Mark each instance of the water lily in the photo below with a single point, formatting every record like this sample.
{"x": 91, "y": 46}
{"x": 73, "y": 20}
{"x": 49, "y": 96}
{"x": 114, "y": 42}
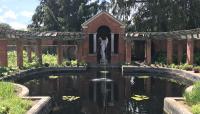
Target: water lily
{"x": 70, "y": 98}
{"x": 54, "y": 77}
{"x": 139, "y": 97}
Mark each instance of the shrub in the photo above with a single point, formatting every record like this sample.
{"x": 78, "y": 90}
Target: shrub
{"x": 193, "y": 97}
{"x": 160, "y": 58}
{"x": 74, "y": 62}
{"x": 187, "y": 67}
{"x": 82, "y": 63}
{"x": 68, "y": 63}
{"x": 196, "y": 109}
{"x": 197, "y": 58}
{"x": 50, "y": 59}
{"x": 196, "y": 69}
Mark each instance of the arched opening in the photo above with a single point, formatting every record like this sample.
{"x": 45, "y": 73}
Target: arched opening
{"x": 104, "y": 32}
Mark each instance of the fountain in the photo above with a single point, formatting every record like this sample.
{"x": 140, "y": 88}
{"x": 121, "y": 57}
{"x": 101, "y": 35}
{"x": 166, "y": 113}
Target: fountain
{"x": 106, "y": 87}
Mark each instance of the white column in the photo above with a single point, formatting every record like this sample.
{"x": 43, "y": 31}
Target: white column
{"x": 95, "y": 42}
{"x": 112, "y": 42}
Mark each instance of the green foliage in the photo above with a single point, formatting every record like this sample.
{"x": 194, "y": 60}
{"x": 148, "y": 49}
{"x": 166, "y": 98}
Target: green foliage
{"x": 7, "y": 90}
{"x": 160, "y": 58}
{"x": 4, "y": 110}
{"x": 196, "y": 68}
{"x": 74, "y": 62}
{"x": 197, "y": 58}
{"x": 167, "y": 15}
{"x": 9, "y": 102}
{"x": 196, "y": 109}
{"x": 15, "y": 105}
{"x": 193, "y": 97}
{"x": 82, "y": 63}
{"x": 5, "y": 26}
{"x": 62, "y": 15}
{"x": 187, "y": 67}
{"x": 50, "y": 59}
{"x": 7, "y": 70}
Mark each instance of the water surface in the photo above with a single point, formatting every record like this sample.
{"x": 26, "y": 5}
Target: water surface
{"x": 106, "y": 92}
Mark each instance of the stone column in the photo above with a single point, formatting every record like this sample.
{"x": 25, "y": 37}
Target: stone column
{"x": 59, "y": 53}
{"x": 95, "y": 42}
{"x": 169, "y": 51}
{"x": 112, "y": 42}
{"x": 190, "y": 50}
{"x": 19, "y": 49}
{"x": 128, "y": 52}
{"x": 148, "y": 51}
{"x": 3, "y": 53}
{"x": 180, "y": 52}
{"x": 39, "y": 50}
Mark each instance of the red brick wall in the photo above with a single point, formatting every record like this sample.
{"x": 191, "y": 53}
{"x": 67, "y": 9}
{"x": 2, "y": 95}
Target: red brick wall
{"x": 115, "y": 27}
{"x": 3, "y": 53}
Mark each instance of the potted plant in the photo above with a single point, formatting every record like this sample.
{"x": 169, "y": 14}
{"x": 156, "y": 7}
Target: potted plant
{"x": 196, "y": 69}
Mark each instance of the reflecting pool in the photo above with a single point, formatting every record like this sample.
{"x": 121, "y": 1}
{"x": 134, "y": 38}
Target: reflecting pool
{"x": 106, "y": 91}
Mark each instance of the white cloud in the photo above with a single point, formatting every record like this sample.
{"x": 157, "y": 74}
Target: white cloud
{"x": 18, "y": 26}
{"x": 8, "y": 15}
{"x": 27, "y": 14}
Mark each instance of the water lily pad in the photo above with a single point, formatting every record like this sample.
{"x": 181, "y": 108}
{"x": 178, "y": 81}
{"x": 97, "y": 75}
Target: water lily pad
{"x": 54, "y": 77}
{"x": 70, "y": 98}
{"x": 143, "y": 77}
{"x": 137, "y": 98}
{"x": 140, "y": 97}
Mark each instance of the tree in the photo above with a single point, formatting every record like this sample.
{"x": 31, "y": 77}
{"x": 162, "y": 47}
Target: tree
{"x": 62, "y": 15}
{"x": 5, "y": 26}
{"x": 167, "y": 15}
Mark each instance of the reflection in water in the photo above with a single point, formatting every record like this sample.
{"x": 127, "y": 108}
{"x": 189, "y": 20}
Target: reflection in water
{"x": 107, "y": 93}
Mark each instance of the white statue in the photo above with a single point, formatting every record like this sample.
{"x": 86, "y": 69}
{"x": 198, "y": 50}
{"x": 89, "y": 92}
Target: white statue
{"x": 104, "y": 44}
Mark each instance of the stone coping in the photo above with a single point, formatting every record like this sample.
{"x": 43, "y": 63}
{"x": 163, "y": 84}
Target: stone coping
{"x": 147, "y": 69}
{"x": 31, "y": 72}
{"x": 43, "y": 105}
{"x": 172, "y": 106}
{"x": 24, "y": 90}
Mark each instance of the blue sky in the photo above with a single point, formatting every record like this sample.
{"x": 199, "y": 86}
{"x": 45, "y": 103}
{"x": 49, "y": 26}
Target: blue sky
{"x": 17, "y": 13}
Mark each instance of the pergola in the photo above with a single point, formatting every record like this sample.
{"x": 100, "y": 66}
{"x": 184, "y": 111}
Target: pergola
{"x": 35, "y": 38}
{"x": 189, "y": 35}
{"x": 31, "y": 38}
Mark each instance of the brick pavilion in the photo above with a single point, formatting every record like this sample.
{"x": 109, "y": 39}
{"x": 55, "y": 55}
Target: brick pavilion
{"x": 122, "y": 47}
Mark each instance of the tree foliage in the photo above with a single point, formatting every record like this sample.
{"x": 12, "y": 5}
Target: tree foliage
{"x": 5, "y": 25}
{"x": 139, "y": 15}
{"x": 62, "y": 15}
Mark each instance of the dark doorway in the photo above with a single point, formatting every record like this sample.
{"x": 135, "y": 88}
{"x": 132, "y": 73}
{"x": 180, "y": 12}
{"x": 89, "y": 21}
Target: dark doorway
{"x": 104, "y": 32}
{"x": 139, "y": 51}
